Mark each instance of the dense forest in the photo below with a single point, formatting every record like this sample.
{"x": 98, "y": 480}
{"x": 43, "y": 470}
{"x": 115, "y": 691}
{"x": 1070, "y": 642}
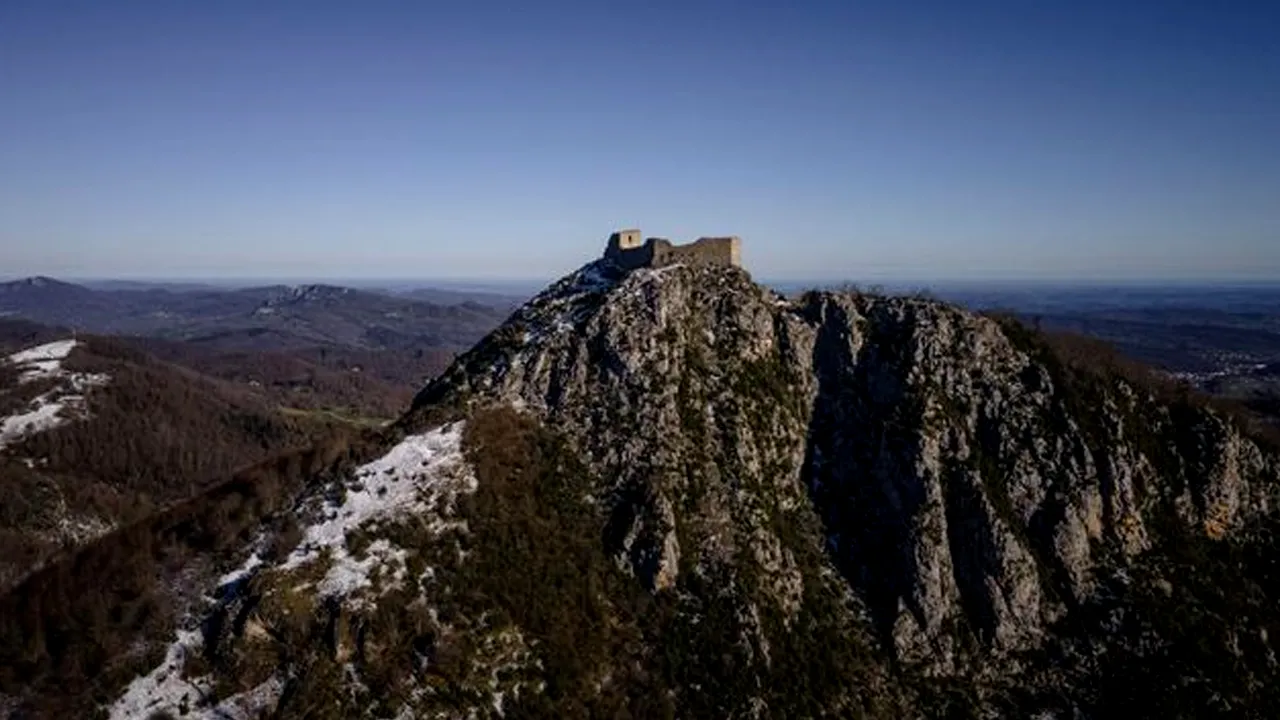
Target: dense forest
{"x": 151, "y": 435}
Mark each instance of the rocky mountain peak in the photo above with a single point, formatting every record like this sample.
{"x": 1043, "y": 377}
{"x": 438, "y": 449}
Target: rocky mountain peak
{"x": 966, "y": 483}
{"x": 672, "y": 492}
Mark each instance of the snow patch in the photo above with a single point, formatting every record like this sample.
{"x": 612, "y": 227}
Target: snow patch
{"x": 164, "y": 688}
{"x": 42, "y": 361}
{"x": 55, "y": 407}
{"x": 249, "y": 704}
{"x": 242, "y": 572}
{"x": 43, "y": 414}
{"x": 82, "y": 529}
{"x": 421, "y": 477}
{"x": 350, "y": 575}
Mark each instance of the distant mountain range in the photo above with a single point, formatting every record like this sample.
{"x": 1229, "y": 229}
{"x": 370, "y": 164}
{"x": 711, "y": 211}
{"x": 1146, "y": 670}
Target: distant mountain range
{"x": 273, "y": 317}
{"x": 314, "y": 347}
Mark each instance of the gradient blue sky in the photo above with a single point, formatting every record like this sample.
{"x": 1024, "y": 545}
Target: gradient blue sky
{"x": 873, "y": 141}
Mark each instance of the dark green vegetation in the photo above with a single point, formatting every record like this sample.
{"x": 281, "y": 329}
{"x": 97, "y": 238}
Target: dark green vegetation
{"x": 1187, "y": 632}
{"x": 538, "y": 566}
{"x": 717, "y": 505}
{"x": 155, "y": 434}
{"x": 70, "y": 633}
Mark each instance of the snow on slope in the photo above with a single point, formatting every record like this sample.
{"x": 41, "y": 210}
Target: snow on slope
{"x": 388, "y": 487}
{"x": 56, "y": 406}
{"x": 419, "y": 479}
{"x": 42, "y": 360}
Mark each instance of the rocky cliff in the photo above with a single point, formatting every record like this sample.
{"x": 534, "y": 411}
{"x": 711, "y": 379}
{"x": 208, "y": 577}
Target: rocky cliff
{"x": 963, "y": 476}
{"x": 675, "y": 493}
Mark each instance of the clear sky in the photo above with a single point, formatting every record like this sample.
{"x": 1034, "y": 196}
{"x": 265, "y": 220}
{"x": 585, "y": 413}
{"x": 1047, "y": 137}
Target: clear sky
{"x": 897, "y": 140}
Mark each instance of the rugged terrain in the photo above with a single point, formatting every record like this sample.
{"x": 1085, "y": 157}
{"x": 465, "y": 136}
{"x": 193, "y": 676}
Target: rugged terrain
{"x": 675, "y": 493}
{"x": 94, "y": 434}
{"x": 312, "y": 348}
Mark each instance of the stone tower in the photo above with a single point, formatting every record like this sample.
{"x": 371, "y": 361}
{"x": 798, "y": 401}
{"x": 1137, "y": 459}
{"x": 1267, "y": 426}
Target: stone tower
{"x": 625, "y": 240}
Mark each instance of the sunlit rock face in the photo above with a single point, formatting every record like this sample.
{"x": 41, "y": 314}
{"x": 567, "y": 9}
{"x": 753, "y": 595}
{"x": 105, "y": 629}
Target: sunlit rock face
{"x": 673, "y": 492}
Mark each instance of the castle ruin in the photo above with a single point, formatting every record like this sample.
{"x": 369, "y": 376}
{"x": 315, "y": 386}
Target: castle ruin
{"x": 628, "y": 251}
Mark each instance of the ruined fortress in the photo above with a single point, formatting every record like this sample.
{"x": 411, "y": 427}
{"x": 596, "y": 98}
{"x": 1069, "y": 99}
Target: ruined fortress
{"x": 627, "y": 250}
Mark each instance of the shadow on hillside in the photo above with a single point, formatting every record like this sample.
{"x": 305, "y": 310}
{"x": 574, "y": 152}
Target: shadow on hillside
{"x": 858, "y": 467}
{"x": 73, "y": 633}
{"x": 861, "y": 474}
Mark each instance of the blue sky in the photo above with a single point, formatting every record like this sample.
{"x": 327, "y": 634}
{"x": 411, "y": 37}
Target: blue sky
{"x": 869, "y": 141}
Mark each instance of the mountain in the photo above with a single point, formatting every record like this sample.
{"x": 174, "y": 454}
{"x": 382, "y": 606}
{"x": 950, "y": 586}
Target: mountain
{"x": 674, "y": 493}
{"x": 95, "y": 435}
{"x": 270, "y": 318}
{"x": 53, "y": 302}
{"x": 308, "y": 347}
{"x": 443, "y": 296}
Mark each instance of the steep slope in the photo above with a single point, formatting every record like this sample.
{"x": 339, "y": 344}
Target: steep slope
{"x": 901, "y": 420}
{"x": 94, "y": 434}
{"x": 673, "y": 493}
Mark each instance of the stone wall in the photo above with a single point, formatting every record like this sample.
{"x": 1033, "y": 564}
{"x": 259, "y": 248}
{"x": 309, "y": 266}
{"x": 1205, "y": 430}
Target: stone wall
{"x": 704, "y": 251}
{"x": 630, "y": 258}
{"x": 659, "y": 252}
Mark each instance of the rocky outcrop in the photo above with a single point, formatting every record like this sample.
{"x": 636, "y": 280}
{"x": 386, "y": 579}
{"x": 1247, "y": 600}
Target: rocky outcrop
{"x": 671, "y": 492}
{"x": 967, "y": 483}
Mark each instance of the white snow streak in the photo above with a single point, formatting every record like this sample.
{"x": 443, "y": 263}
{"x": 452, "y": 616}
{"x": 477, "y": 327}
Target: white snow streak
{"x": 44, "y": 414}
{"x": 164, "y": 688}
{"x": 422, "y": 476}
{"x": 418, "y": 477}
{"x": 42, "y": 361}
{"x": 53, "y": 408}
{"x": 244, "y": 571}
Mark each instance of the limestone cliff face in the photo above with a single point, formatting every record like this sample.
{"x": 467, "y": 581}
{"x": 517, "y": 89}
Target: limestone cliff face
{"x": 967, "y": 486}
{"x": 675, "y": 493}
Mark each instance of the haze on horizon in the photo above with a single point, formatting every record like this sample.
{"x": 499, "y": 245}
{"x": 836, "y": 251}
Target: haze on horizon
{"x": 863, "y": 141}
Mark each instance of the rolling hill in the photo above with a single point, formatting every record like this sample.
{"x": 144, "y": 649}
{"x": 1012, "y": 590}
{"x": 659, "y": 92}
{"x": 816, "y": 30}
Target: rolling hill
{"x": 96, "y": 434}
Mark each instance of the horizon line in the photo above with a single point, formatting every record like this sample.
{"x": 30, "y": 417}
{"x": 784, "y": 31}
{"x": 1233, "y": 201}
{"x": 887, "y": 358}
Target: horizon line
{"x": 538, "y": 281}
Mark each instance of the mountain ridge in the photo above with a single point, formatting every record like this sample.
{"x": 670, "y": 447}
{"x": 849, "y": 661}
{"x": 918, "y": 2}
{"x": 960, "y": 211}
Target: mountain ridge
{"x": 310, "y": 315}
{"x": 952, "y": 334}
{"x": 675, "y": 480}
{"x": 96, "y": 434}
